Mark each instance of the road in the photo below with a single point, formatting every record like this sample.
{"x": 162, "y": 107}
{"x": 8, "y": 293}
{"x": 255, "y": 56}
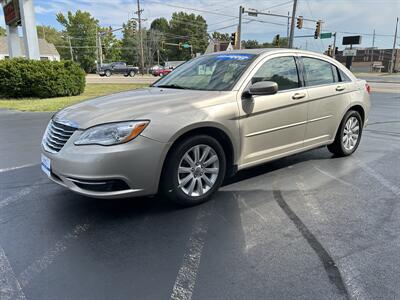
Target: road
{"x": 309, "y": 226}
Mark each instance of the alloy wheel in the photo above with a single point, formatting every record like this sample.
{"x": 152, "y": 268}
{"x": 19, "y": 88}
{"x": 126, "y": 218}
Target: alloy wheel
{"x": 351, "y": 133}
{"x": 198, "y": 170}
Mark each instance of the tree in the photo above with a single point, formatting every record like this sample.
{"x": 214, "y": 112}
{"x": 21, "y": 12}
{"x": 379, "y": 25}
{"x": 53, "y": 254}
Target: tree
{"x": 159, "y": 33}
{"x": 81, "y": 27}
{"x": 129, "y": 43}
{"x": 221, "y": 36}
{"x": 160, "y": 24}
{"x": 191, "y": 29}
{"x": 251, "y": 44}
{"x": 2, "y": 31}
{"x": 111, "y": 46}
{"x": 51, "y": 35}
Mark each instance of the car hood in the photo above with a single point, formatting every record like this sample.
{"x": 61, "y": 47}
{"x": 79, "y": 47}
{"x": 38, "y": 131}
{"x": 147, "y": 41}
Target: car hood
{"x": 136, "y": 104}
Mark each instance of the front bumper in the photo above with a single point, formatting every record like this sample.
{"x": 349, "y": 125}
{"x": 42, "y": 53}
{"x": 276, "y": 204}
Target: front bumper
{"x": 120, "y": 171}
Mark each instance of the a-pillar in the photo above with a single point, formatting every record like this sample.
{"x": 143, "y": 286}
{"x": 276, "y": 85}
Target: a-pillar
{"x": 14, "y": 44}
{"x": 29, "y": 29}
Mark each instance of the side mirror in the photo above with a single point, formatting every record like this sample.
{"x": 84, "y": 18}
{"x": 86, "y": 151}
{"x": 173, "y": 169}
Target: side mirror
{"x": 261, "y": 88}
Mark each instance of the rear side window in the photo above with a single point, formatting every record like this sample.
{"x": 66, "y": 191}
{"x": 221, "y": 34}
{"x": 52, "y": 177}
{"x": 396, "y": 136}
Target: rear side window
{"x": 281, "y": 70}
{"x": 317, "y": 72}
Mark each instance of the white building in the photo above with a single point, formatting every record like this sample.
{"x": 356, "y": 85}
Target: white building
{"x": 47, "y": 50}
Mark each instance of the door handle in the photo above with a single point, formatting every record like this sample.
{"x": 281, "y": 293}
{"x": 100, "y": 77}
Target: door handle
{"x": 298, "y": 96}
{"x": 340, "y": 88}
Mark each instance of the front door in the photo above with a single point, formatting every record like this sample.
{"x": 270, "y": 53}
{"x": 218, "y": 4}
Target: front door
{"x": 273, "y": 125}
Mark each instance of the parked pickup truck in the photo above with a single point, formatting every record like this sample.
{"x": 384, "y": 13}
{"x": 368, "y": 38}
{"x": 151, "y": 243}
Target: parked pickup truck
{"x": 117, "y": 68}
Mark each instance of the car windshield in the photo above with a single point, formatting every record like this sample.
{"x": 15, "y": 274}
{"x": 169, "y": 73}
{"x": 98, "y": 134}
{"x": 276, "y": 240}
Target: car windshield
{"x": 218, "y": 72}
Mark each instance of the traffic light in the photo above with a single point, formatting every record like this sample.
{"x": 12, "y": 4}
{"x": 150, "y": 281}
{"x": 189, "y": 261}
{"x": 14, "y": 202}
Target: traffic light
{"x": 180, "y": 46}
{"x": 299, "y": 22}
{"x": 317, "y": 30}
{"x": 233, "y": 39}
{"x": 276, "y": 40}
{"x": 329, "y": 50}
{"x": 336, "y": 50}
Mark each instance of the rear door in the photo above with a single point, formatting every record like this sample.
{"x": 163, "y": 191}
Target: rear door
{"x": 328, "y": 98}
{"x": 273, "y": 125}
{"x": 119, "y": 68}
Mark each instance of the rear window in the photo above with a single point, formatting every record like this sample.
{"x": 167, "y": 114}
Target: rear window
{"x": 343, "y": 77}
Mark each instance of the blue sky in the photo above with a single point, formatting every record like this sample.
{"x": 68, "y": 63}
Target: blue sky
{"x": 354, "y": 16}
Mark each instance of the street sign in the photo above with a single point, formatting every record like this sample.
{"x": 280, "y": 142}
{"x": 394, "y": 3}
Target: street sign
{"x": 12, "y": 15}
{"x": 349, "y": 52}
{"x": 352, "y": 40}
{"x": 186, "y": 46}
{"x": 325, "y": 35}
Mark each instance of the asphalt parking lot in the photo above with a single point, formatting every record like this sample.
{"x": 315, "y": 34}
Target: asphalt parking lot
{"x": 309, "y": 226}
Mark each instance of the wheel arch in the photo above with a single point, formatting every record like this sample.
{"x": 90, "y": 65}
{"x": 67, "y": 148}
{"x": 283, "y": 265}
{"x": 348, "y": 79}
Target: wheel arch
{"x": 358, "y": 108}
{"x": 219, "y": 134}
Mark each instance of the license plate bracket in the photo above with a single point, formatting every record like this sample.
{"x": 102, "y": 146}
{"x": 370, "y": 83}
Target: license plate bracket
{"x": 46, "y": 165}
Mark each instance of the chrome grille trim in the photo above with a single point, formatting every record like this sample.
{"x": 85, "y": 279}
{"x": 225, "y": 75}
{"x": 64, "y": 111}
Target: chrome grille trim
{"x": 56, "y": 136}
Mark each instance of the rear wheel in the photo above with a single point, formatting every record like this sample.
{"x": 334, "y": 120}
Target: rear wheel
{"x": 348, "y": 136}
{"x": 194, "y": 170}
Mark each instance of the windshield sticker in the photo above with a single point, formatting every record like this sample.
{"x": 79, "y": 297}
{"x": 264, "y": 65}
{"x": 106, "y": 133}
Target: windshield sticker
{"x": 235, "y": 57}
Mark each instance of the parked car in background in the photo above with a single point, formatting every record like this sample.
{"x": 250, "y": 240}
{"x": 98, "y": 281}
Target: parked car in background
{"x": 214, "y": 115}
{"x": 117, "y": 68}
{"x": 161, "y": 72}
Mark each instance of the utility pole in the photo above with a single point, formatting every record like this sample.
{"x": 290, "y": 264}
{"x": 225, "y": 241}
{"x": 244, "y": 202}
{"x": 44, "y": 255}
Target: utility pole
{"x": 139, "y": 13}
{"x": 70, "y": 48}
{"x": 239, "y": 29}
{"x": 392, "y": 61}
{"x": 372, "y": 48}
{"x": 100, "y": 50}
{"x": 334, "y": 45}
{"x": 288, "y": 26}
{"x": 292, "y": 24}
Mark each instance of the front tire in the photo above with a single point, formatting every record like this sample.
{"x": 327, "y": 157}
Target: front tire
{"x": 108, "y": 73}
{"x": 348, "y": 135}
{"x": 132, "y": 73}
{"x": 194, "y": 170}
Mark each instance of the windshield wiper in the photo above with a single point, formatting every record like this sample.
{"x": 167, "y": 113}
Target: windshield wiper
{"x": 171, "y": 86}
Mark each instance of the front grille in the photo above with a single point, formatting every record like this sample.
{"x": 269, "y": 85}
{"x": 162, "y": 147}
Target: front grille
{"x": 56, "y": 136}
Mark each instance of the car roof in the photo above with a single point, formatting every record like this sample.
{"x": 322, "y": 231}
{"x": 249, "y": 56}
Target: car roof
{"x": 259, "y": 51}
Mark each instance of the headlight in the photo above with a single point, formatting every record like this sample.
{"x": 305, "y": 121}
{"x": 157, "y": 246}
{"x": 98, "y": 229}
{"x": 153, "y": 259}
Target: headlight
{"x": 112, "y": 134}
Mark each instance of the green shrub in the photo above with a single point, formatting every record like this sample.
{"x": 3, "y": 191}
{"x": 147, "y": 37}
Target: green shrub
{"x": 40, "y": 79}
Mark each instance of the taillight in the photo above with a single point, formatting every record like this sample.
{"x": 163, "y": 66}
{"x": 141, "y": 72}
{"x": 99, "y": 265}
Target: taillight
{"x": 368, "y": 88}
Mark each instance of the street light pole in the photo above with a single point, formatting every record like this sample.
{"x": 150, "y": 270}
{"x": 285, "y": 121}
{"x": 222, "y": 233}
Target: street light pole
{"x": 292, "y": 24}
{"x": 392, "y": 61}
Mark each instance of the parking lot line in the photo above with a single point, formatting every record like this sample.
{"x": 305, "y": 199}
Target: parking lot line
{"x": 17, "y": 196}
{"x": 10, "y": 288}
{"x": 187, "y": 274}
{"x": 382, "y": 180}
{"x": 44, "y": 262}
{"x": 16, "y": 168}
{"x": 350, "y": 275}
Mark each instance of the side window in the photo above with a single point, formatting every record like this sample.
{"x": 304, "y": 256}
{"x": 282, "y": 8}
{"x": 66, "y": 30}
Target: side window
{"x": 343, "y": 77}
{"x": 281, "y": 70}
{"x": 317, "y": 71}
